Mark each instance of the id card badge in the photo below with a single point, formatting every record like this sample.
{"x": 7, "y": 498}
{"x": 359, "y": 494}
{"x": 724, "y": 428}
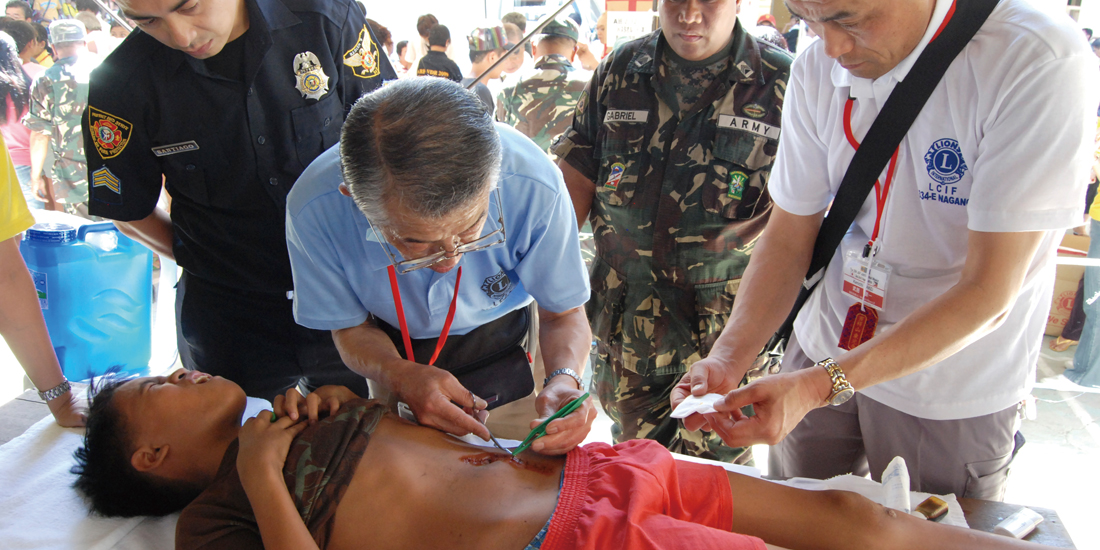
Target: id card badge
{"x": 856, "y": 279}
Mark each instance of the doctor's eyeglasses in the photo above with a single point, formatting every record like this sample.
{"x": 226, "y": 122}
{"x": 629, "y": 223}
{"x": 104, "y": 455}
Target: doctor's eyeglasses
{"x": 489, "y": 240}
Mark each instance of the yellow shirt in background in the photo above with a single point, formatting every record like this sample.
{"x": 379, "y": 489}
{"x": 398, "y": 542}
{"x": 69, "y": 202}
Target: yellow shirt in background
{"x": 44, "y": 59}
{"x": 15, "y": 217}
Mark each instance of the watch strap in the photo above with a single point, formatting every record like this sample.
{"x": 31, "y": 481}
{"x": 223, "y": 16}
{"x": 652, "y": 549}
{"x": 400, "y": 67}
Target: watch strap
{"x": 55, "y": 392}
{"x": 566, "y": 371}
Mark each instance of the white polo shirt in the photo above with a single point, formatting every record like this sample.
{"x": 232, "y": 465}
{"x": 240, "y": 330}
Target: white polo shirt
{"x": 1003, "y": 145}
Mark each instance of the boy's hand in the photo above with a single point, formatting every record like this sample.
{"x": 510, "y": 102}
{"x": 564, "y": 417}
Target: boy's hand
{"x": 263, "y": 448}
{"x": 325, "y": 398}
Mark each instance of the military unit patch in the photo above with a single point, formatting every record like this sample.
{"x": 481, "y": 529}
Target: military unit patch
{"x": 754, "y": 110}
{"x": 309, "y": 77}
{"x": 363, "y": 56}
{"x": 615, "y": 176}
{"x": 104, "y": 178}
{"x": 738, "y": 180}
{"x": 110, "y": 134}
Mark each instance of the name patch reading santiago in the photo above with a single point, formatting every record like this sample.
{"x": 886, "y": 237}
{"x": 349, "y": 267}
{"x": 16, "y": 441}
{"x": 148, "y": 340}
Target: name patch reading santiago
{"x": 173, "y": 148}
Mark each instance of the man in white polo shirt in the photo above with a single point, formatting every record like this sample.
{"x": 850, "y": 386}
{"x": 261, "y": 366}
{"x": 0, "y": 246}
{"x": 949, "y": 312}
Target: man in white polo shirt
{"x": 964, "y": 235}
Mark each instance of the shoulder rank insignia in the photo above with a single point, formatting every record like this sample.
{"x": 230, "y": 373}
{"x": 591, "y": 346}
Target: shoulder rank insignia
{"x": 110, "y": 134}
{"x": 104, "y": 178}
{"x": 309, "y": 76}
{"x": 363, "y": 56}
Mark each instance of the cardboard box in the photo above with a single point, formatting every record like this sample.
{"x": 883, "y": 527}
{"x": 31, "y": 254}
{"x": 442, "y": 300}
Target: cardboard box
{"x": 1065, "y": 283}
{"x": 630, "y": 5}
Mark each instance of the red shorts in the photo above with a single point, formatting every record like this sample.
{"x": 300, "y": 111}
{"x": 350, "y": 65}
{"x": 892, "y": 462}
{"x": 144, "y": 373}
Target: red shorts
{"x": 636, "y": 496}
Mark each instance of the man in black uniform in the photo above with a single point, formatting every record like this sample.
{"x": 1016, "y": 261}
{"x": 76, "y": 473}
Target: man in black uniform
{"x": 229, "y": 100}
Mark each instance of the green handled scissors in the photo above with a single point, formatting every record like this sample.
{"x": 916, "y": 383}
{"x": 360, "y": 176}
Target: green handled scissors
{"x": 540, "y": 430}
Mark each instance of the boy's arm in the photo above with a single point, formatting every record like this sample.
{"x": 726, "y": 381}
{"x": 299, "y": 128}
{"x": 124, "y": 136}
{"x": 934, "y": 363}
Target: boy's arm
{"x": 263, "y": 449}
{"x": 794, "y": 518}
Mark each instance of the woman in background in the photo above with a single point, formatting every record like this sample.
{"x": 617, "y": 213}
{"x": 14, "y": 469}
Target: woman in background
{"x": 15, "y": 90}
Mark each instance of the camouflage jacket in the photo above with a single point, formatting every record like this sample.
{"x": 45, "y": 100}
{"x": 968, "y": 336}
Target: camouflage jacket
{"x": 58, "y": 99}
{"x": 541, "y": 105}
{"x": 679, "y": 203}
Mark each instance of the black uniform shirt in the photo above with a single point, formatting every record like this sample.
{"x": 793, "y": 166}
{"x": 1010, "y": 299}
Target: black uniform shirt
{"x": 229, "y": 150}
{"x": 438, "y": 64}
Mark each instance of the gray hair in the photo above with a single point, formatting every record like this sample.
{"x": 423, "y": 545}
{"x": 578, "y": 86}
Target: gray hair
{"x": 426, "y": 143}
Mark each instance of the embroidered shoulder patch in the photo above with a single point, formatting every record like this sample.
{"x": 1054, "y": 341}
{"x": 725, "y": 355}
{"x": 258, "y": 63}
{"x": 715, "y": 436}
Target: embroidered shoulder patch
{"x": 363, "y": 56}
{"x": 110, "y": 134}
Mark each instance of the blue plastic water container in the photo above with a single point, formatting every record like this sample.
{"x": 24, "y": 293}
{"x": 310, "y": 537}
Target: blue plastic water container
{"x": 95, "y": 288}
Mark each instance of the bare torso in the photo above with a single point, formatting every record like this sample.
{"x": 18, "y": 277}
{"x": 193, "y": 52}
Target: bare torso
{"x": 416, "y": 488}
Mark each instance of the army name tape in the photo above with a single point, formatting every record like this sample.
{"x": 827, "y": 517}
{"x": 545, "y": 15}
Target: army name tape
{"x": 748, "y": 125}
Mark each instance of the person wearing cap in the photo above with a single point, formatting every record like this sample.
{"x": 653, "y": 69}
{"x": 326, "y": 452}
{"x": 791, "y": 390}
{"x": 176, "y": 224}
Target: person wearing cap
{"x": 669, "y": 155}
{"x": 436, "y": 62}
{"x": 487, "y": 45}
{"x": 541, "y": 104}
{"x": 21, "y": 322}
{"x": 766, "y": 20}
{"x": 226, "y": 102}
{"x": 59, "y": 97}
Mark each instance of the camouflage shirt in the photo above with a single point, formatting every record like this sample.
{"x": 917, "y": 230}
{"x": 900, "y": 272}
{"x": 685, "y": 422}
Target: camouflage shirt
{"x": 58, "y": 99}
{"x": 680, "y": 197}
{"x": 541, "y": 105}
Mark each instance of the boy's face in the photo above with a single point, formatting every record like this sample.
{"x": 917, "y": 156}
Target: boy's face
{"x": 183, "y": 407}
{"x": 199, "y": 28}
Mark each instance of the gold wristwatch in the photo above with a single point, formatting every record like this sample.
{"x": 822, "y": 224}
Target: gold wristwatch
{"x": 842, "y": 391}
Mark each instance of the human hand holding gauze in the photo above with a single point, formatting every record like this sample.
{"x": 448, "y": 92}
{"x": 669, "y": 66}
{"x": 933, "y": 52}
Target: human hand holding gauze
{"x": 691, "y": 405}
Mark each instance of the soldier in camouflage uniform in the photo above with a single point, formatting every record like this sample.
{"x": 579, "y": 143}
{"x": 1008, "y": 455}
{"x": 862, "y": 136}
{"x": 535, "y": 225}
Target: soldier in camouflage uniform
{"x": 58, "y": 99}
{"x": 541, "y": 104}
{"x": 669, "y": 156}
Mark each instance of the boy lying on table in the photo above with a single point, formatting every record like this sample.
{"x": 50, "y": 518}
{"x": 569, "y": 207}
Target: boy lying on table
{"x": 362, "y": 477}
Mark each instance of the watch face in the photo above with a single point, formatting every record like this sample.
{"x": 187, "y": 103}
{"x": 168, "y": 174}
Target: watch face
{"x": 841, "y": 396}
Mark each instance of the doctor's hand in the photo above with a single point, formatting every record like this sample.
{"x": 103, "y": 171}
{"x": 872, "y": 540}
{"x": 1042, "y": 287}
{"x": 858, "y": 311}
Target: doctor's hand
{"x": 69, "y": 410}
{"x": 779, "y": 402}
{"x": 708, "y": 375}
{"x": 437, "y": 398}
{"x": 325, "y": 399}
{"x": 565, "y": 433}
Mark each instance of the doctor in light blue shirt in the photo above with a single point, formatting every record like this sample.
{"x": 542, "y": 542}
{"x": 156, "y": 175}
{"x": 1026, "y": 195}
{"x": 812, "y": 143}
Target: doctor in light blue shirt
{"x": 424, "y": 182}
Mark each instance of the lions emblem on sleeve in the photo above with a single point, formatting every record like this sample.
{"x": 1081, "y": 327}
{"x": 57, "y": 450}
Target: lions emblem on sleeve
{"x": 110, "y": 134}
{"x": 363, "y": 56}
{"x": 944, "y": 161}
{"x": 309, "y": 77}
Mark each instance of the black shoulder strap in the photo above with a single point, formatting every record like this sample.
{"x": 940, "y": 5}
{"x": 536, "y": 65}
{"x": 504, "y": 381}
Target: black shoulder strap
{"x": 891, "y": 125}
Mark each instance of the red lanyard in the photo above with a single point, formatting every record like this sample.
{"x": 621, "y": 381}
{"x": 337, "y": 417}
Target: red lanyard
{"x": 881, "y": 191}
{"x": 404, "y": 327}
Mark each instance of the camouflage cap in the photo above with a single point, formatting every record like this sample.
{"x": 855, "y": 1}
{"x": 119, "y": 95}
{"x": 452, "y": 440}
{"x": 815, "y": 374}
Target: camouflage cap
{"x": 564, "y": 27}
{"x": 488, "y": 39}
{"x": 66, "y": 30}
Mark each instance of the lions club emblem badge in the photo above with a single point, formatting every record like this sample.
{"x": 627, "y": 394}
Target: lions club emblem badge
{"x": 309, "y": 77}
{"x": 944, "y": 161}
{"x": 363, "y": 56}
{"x": 110, "y": 134}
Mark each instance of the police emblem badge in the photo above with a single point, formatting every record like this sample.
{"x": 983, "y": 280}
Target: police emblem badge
{"x": 110, "y": 134}
{"x": 615, "y": 176}
{"x": 363, "y": 56}
{"x": 309, "y": 77}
